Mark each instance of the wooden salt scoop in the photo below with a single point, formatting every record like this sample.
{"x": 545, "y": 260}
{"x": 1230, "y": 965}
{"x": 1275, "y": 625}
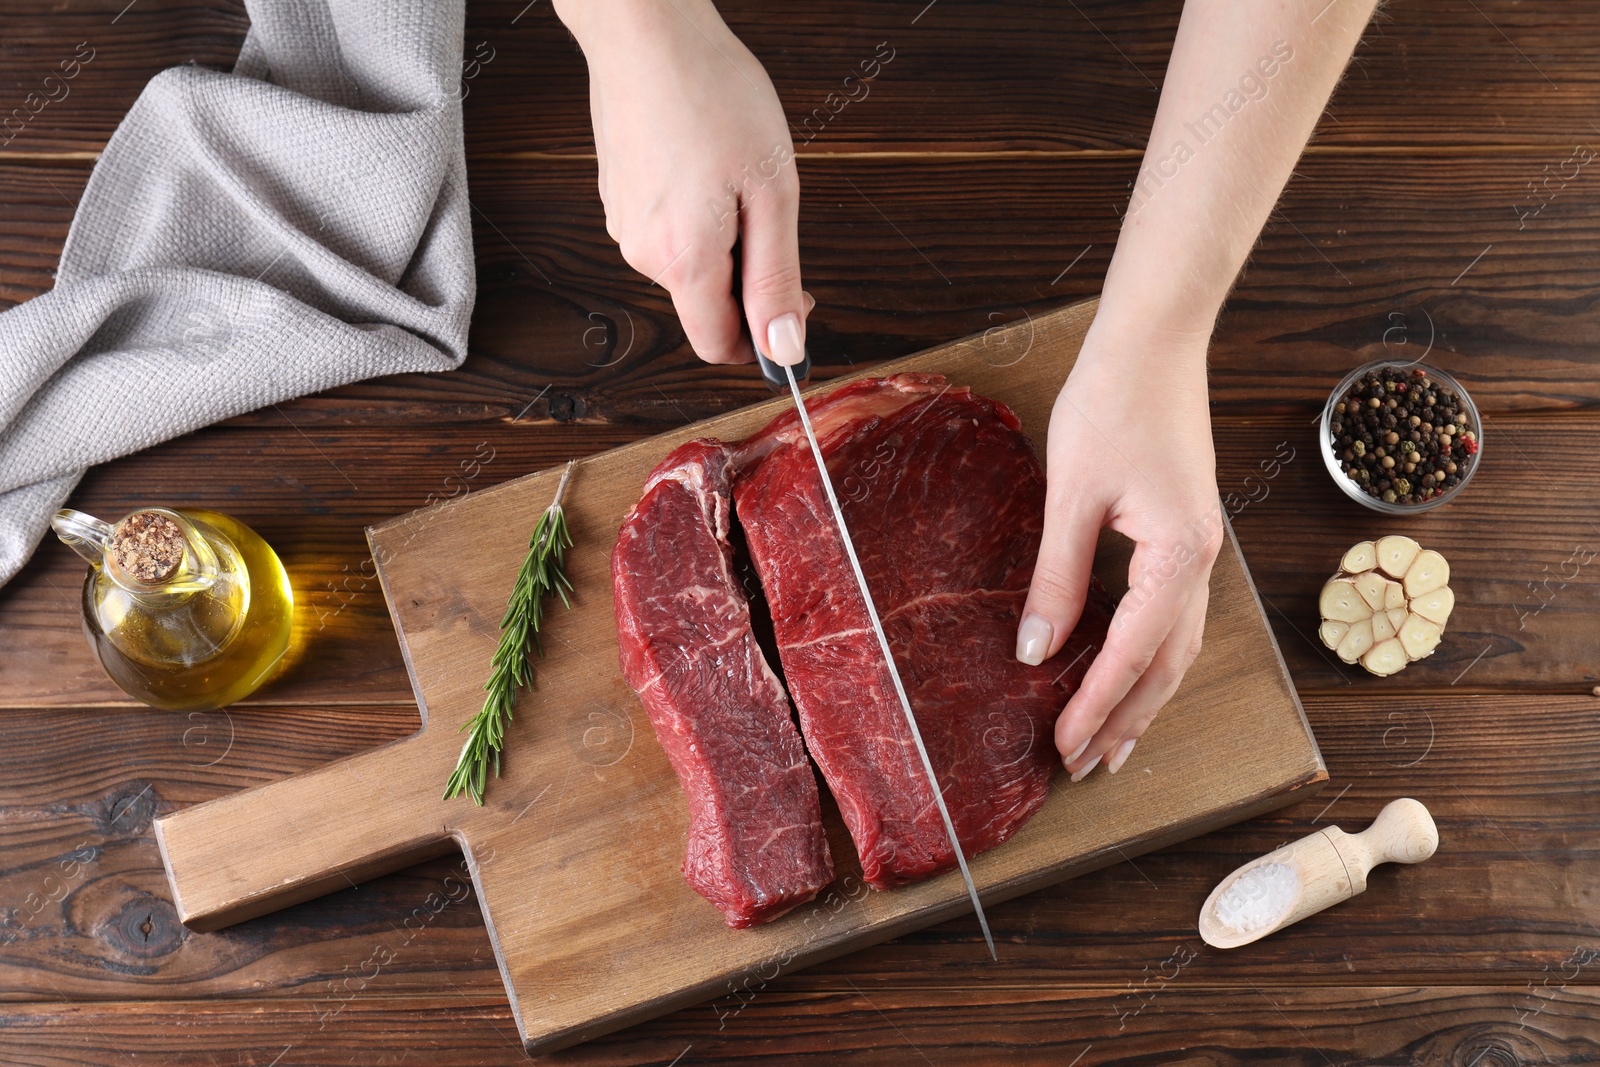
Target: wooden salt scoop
{"x": 1313, "y": 873}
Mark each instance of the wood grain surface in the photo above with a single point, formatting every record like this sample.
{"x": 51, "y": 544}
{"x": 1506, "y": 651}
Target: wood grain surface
{"x": 999, "y": 139}
{"x": 904, "y": 254}
{"x": 1168, "y": 1022}
{"x": 1025, "y": 77}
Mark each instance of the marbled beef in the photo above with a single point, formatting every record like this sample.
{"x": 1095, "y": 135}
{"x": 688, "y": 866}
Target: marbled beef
{"x": 944, "y": 498}
{"x": 756, "y": 847}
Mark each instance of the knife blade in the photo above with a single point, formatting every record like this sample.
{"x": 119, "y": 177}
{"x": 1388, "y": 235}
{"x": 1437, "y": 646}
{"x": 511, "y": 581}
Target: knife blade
{"x": 772, "y": 371}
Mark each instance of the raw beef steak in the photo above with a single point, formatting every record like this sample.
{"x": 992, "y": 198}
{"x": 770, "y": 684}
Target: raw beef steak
{"x": 944, "y": 498}
{"x": 756, "y": 847}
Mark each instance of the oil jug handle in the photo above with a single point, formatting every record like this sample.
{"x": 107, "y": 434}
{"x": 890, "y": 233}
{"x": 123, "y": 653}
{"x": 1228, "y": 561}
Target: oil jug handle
{"x": 83, "y": 533}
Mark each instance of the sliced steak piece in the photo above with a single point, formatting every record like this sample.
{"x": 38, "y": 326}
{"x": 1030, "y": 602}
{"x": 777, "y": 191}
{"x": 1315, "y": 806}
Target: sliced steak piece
{"x": 756, "y": 846}
{"x": 944, "y": 498}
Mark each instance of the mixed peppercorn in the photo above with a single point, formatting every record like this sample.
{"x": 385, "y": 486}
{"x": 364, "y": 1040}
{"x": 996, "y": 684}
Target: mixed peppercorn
{"x": 1402, "y": 437}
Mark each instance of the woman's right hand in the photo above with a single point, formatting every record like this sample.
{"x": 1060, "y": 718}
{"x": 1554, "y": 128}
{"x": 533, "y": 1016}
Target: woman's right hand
{"x": 696, "y": 166}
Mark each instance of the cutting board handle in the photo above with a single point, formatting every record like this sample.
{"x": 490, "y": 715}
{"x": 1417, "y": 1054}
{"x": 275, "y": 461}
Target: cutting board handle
{"x": 327, "y": 829}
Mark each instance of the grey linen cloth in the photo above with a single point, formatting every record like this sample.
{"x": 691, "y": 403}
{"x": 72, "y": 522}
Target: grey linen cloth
{"x": 245, "y": 238}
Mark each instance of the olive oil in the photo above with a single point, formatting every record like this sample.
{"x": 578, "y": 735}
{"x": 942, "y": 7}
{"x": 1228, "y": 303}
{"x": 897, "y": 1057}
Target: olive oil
{"x": 185, "y": 610}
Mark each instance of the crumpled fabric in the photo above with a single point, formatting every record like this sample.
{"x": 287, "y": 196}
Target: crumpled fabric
{"x": 246, "y": 238}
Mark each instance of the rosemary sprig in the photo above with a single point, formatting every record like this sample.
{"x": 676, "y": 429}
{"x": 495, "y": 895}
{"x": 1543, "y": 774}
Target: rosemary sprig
{"x": 541, "y": 574}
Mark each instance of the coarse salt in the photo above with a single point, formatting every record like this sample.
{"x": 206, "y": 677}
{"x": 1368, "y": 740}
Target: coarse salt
{"x": 1259, "y": 897}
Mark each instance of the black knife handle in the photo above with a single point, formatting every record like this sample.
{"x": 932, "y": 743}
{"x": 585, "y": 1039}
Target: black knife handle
{"x": 777, "y": 380}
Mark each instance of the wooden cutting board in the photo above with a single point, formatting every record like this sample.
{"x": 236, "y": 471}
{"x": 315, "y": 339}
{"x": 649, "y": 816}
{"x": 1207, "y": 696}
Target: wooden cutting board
{"x": 576, "y": 854}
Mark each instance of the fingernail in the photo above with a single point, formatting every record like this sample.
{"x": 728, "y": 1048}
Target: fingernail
{"x": 1033, "y": 639}
{"x": 1091, "y": 766}
{"x": 811, "y": 301}
{"x": 1077, "y": 751}
{"x": 786, "y": 345}
{"x": 1119, "y": 755}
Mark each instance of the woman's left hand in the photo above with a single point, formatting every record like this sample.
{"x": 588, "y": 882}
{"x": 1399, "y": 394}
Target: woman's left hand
{"x": 1129, "y": 448}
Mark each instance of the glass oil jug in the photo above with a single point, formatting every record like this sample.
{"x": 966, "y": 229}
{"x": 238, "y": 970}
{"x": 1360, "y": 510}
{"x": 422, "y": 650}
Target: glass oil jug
{"x": 186, "y": 610}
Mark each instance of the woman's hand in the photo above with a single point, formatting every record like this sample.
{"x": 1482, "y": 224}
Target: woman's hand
{"x": 1129, "y": 448}
{"x": 1130, "y": 441}
{"x": 696, "y": 167}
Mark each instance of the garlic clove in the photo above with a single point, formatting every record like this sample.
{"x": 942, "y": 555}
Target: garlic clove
{"x": 1395, "y": 554}
{"x": 1356, "y": 641}
{"x": 1341, "y": 602}
{"x": 1435, "y": 606}
{"x": 1394, "y": 595}
{"x": 1382, "y": 627}
{"x": 1333, "y": 632}
{"x": 1419, "y": 636}
{"x": 1371, "y": 587}
{"x": 1397, "y": 618}
{"x": 1362, "y": 557}
{"x": 1385, "y": 658}
{"x": 1428, "y": 572}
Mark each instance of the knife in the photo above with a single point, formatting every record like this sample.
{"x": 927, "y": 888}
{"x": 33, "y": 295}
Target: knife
{"x": 786, "y": 375}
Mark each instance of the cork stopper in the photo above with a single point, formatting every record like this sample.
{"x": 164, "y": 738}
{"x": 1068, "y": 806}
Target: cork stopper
{"x": 147, "y": 546}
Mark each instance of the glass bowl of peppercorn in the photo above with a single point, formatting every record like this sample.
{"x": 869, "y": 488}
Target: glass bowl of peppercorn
{"x": 1401, "y": 437}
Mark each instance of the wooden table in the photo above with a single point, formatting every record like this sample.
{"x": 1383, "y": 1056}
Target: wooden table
{"x": 978, "y": 182}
